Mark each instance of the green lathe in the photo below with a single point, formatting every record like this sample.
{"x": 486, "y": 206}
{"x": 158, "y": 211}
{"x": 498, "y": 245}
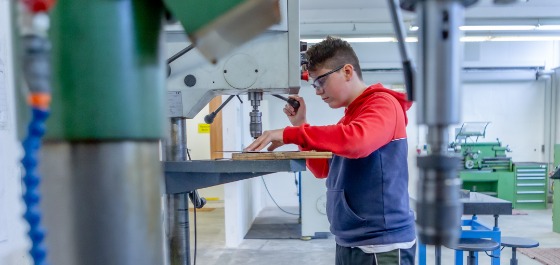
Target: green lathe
{"x": 487, "y": 169}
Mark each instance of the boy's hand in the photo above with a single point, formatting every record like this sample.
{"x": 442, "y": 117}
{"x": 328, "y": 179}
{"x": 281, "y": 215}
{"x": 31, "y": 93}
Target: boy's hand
{"x": 296, "y": 118}
{"x": 276, "y": 137}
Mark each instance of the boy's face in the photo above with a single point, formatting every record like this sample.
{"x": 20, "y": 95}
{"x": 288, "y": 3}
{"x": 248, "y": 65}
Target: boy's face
{"x": 331, "y": 85}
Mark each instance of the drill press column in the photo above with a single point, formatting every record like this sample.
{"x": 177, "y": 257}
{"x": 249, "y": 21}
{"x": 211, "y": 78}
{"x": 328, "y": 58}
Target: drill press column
{"x": 437, "y": 94}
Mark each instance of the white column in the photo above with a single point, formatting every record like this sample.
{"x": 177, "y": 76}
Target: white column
{"x": 14, "y": 243}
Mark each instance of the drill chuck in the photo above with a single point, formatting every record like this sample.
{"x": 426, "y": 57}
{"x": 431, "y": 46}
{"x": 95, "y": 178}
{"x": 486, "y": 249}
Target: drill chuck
{"x": 438, "y": 207}
{"x": 256, "y": 124}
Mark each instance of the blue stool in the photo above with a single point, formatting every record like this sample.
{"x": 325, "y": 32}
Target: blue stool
{"x": 517, "y": 242}
{"x": 473, "y": 245}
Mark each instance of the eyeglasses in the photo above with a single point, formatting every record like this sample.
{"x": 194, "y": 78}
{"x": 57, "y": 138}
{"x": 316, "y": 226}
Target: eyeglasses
{"x": 319, "y": 82}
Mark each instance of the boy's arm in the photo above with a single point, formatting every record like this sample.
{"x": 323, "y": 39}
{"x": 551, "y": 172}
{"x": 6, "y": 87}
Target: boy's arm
{"x": 367, "y": 132}
{"x": 319, "y": 167}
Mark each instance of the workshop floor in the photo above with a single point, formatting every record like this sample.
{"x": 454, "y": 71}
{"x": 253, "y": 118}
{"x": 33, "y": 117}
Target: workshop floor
{"x": 535, "y": 224}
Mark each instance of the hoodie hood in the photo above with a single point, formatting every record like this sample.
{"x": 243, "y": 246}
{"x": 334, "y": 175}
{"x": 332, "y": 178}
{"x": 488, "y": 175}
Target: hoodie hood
{"x": 378, "y": 88}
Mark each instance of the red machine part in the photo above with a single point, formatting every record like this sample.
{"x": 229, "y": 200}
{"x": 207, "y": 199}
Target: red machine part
{"x": 37, "y": 6}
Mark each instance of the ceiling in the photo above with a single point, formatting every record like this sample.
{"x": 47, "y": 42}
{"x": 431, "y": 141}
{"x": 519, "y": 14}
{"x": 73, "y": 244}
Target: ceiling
{"x": 371, "y": 17}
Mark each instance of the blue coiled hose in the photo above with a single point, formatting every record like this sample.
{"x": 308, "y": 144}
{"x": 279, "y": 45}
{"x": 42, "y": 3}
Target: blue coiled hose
{"x": 32, "y": 215}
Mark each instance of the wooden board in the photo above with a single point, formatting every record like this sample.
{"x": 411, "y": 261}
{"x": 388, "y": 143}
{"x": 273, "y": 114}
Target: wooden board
{"x": 216, "y": 132}
{"x": 280, "y": 155}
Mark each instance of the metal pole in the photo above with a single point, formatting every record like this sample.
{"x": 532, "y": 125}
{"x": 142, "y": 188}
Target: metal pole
{"x": 102, "y": 202}
{"x": 177, "y": 225}
{"x": 102, "y": 173}
{"x": 400, "y": 33}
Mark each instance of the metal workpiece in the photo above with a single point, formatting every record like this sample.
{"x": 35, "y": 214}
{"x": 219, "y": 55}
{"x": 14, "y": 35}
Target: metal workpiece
{"x": 196, "y": 174}
{"x": 108, "y": 80}
{"x": 439, "y": 61}
{"x": 102, "y": 203}
{"x": 255, "y": 115}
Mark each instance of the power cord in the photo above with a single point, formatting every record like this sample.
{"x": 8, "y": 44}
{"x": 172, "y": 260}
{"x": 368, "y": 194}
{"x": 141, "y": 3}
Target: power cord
{"x": 195, "y": 237}
{"x": 195, "y": 204}
{"x": 492, "y": 256}
{"x": 275, "y": 200}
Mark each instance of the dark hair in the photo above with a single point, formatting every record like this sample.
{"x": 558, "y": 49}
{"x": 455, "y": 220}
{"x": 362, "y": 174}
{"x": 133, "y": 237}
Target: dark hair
{"x": 330, "y": 53}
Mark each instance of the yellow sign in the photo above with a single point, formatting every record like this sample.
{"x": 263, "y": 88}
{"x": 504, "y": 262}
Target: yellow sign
{"x": 203, "y": 128}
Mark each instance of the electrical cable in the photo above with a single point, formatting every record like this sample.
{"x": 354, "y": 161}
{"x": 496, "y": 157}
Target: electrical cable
{"x": 194, "y": 214}
{"x": 180, "y": 53}
{"x": 188, "y": 153}
{"x": 275, "y": 200}
{"x": 195, "y": 236}
{"x": 492, "y": 256}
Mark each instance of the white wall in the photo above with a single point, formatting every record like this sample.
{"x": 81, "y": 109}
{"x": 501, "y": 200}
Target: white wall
{"x": 13, "y": 239}
{"x": 199, "y": 149}
{"x": 516, "y": 113}
{"x": 242, "y": 203}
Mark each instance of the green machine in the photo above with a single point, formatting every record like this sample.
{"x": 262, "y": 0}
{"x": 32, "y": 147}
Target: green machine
{"x": 556, "y": 191}
{"x": 102, "y": 175}
{"x": 486, "y": 168}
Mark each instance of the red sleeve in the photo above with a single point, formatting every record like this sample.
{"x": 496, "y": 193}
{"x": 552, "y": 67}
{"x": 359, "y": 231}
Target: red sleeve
{"x": 319, "y": 167}
{"x": 357, "y": 136}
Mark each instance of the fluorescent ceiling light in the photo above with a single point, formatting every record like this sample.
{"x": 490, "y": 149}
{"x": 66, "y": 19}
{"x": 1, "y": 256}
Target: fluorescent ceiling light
{"x": 502, "y": 28}
{"x": 463, "y": 39}
{"x": 498, "y": 28}
{"x": 525, "y": 38}
{"x": 548, "y": 27}
{"x": 311, "y": 40}
{"x": 366, "y": 40}
{"x": 373, "y": 39}
{"x": 475, "y": 38}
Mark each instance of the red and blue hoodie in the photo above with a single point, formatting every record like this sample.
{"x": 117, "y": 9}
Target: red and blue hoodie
{"x": 367, "y": 178}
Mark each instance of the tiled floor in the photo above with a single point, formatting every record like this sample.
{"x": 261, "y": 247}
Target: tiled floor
{"x": 536, "y": 224}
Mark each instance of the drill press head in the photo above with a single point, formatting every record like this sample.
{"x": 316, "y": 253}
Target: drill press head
{"x": 268, "y": 64}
